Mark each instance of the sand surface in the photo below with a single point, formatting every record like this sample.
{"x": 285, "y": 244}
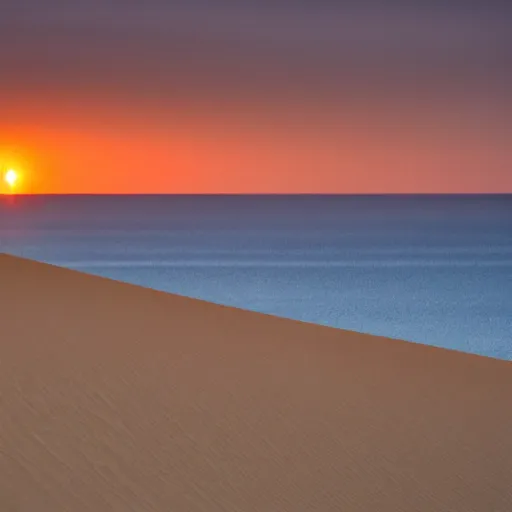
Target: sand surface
{"x": 119, "y": 398}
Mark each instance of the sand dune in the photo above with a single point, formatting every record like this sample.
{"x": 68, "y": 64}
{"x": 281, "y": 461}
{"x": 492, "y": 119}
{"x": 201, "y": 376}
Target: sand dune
{"x": 119, "y": 398}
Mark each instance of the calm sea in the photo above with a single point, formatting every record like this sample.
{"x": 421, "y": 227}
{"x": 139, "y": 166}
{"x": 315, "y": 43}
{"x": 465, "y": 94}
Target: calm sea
{"x": 432, "y": 269}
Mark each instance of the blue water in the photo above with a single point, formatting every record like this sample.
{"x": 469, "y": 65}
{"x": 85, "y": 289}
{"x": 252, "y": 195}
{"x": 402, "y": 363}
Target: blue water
{"x": 432, "y": 269}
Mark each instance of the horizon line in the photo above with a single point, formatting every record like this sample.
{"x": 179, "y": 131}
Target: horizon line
{"x": 250, "y": 194}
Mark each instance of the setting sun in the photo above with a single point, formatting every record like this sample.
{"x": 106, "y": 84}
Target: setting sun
{"x": 11, "y": 178}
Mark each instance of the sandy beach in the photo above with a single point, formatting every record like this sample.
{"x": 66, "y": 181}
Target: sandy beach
{"x": 116, "y": 398}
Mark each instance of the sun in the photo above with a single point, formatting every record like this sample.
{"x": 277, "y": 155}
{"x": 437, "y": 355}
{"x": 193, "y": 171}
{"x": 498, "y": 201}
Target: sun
{"x": 11, "y": 177}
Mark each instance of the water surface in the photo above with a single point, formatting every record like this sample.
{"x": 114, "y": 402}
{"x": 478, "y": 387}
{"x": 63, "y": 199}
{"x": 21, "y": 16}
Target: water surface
{"x": 432, "y": 269}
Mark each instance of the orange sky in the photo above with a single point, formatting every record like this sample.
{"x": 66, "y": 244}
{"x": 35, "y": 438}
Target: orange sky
{"x": 176, "y": 99}
{"x": 103, "y": 149}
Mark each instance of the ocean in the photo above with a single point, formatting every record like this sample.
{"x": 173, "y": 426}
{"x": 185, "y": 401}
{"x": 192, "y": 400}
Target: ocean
{"x": 429, "y": 269}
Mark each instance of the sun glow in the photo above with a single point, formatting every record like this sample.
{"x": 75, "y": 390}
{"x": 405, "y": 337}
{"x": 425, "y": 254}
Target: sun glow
{"x": 11, "y": 179}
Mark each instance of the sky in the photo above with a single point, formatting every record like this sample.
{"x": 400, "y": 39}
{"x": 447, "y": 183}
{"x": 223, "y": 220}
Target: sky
{"x": 256, "y": 96}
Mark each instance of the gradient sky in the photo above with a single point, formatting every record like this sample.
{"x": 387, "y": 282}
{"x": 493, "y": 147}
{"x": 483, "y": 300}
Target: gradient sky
{"x": 256, "y": 96}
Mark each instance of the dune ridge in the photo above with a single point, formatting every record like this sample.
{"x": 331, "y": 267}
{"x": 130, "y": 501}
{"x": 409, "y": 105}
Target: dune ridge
{"x": 120, "y": 398}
